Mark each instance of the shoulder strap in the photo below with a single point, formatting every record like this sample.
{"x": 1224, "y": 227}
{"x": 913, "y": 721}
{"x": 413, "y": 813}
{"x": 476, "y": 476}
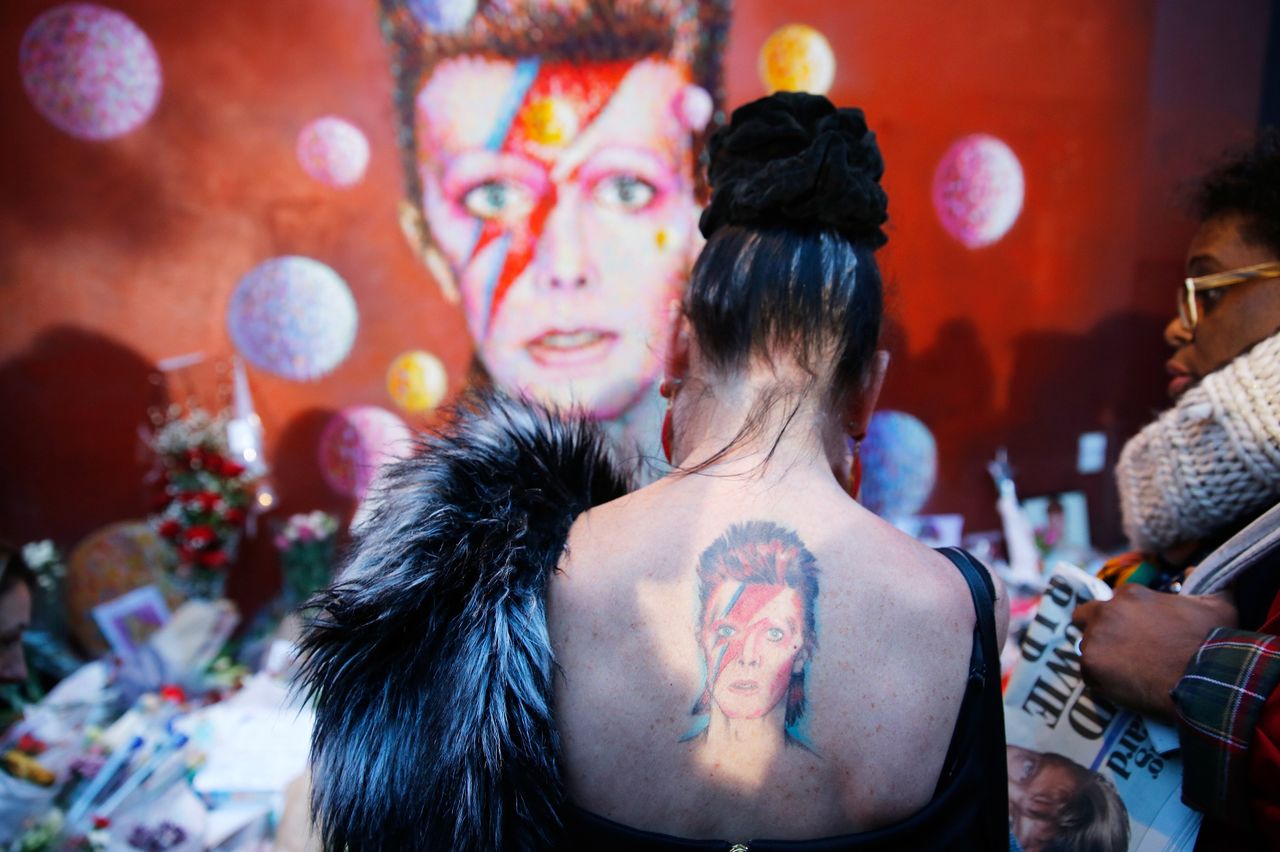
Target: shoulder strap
{"x": 982, "y": 590}
{"x": 991, "y": 741}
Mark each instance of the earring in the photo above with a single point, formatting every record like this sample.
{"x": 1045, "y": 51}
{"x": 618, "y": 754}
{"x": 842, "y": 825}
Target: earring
{"x": 668, "y": 390}
{"x": 855, "y": 468}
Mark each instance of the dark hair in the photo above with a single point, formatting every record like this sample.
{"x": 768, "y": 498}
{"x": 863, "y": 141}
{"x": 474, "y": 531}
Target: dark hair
{"x": 14, "y": 569}
{"x": 763, "y": 552}
{"x": 795, "y": 218}
{"x": 1094, "y": 819}
{"x": 1246, "y": 182}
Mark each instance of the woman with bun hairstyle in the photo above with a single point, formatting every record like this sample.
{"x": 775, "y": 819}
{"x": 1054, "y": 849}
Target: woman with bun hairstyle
{"x": 526, "y": 655}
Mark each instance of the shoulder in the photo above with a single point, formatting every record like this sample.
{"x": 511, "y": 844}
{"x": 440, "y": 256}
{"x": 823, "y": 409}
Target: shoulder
{"x": 445, "y": 586}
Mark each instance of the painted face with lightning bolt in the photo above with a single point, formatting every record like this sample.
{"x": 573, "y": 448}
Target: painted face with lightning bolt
{"x": 562, "y": 198}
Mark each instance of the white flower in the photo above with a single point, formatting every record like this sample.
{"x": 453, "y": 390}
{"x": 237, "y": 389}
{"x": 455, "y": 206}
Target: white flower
{"x": 37, "y": 554}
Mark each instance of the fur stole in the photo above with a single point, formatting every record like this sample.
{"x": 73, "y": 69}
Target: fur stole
{"x": 429, "y": 662}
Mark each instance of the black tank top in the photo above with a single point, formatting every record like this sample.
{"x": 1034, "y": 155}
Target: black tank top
{"x": 969, "y": 808}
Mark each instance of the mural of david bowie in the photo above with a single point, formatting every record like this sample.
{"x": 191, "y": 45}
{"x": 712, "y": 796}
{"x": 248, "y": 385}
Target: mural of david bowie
{"x": 551, "y": 152}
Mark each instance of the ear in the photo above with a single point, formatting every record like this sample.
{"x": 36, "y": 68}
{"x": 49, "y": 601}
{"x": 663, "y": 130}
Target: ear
{"x": 677, "y": 366}
{"x": 414, "y": 228}
{"x": 858, "y": 415}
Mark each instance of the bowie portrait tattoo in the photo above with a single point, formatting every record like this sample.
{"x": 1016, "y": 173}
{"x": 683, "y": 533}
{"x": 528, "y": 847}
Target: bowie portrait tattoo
{"x": 757, "y": 590}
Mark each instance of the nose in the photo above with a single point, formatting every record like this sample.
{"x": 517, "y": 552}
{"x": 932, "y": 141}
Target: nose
{"x": 562, "y": 260}
{"x": 751, "y": 647}
{"x": 1176, "y": 333}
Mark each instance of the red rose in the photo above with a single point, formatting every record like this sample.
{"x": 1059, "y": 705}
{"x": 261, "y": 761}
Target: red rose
{"x": 212, "y": 558}
{"x": 206, "y": 500}
{"x": 214, "y": 463}
{"x": 231, "y": 469}
{"x": 234, "y": 515}
{"x": 30, "y": 745}
{"x": 101, "y": 822}
{"x": 172, "y": 692}
{"x": 170, "y": 528}
{"x": 200, "y": 535}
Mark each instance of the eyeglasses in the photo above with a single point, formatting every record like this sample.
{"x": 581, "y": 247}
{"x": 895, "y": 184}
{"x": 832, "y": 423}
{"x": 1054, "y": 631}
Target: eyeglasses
{"x": 1188, "y": 307}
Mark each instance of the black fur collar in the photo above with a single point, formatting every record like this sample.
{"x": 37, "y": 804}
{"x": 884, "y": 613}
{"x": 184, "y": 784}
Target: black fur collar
{"x": 429, "y": 663}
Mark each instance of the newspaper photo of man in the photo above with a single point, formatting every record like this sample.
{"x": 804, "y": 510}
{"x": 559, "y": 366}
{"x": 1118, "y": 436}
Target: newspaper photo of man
{"x": 1057, "y": 805}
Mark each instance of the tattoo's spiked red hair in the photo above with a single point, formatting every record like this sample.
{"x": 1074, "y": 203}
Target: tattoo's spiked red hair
{"x": 763, "y": 552}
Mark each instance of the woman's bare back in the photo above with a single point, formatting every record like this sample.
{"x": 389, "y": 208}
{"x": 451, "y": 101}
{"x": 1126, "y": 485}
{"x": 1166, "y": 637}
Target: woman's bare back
{"x": 754, "y": 659}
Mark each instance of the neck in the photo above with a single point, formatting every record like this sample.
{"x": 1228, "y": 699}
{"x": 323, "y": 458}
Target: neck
{"x": 741, "y": 749}
{"x": 756, "y": 422}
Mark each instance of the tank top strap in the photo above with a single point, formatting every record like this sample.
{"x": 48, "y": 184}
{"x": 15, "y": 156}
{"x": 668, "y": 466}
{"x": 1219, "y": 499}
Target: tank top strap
{"x": 983, "y": 719}
{"x": 983, "y": 592}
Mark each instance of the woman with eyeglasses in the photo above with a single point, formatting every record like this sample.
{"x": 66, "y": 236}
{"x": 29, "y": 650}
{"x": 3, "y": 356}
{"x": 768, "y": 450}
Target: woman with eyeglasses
{"x": 736, "y": 657}
{"x": 1200, "y": 489}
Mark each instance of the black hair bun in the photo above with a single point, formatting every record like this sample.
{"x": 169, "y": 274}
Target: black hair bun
{"x": 794, "y": 159}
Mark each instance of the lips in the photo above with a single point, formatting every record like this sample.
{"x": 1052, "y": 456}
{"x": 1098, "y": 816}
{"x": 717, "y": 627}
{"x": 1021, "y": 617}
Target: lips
{"x": 744, "y": 687}
{"x": 569, "y": 348}
{"x": 1181, "y": 378}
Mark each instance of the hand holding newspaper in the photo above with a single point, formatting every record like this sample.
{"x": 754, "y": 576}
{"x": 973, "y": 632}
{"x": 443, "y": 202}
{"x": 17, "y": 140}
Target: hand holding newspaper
{"x": 1082, "y": 772}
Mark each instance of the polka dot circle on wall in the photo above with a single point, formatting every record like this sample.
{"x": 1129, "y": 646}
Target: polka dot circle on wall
{"x": 356, "y": 443}
{"x": 107, "y": 563}
{"x": 417, "y": 381}
{"x": 797, "y": 58}
{"x": 978, "y": 190}
{"x": 443, "y": 16}
{"x": 293, "y": 316}
{"x": 90, "y": 71}
{"x": 333, "y": 151}
{"x": 899, "y": 464}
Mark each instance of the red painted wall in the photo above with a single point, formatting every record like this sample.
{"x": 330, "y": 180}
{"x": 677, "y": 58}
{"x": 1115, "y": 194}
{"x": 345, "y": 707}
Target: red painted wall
{"x": 116, "y": 254}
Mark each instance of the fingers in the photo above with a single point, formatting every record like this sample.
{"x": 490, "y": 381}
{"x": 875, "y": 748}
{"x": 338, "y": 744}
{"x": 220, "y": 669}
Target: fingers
{"x": 1085, "y": 613}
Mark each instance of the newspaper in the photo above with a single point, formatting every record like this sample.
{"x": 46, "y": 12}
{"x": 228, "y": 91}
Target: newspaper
{"x": 1078, "y": 763}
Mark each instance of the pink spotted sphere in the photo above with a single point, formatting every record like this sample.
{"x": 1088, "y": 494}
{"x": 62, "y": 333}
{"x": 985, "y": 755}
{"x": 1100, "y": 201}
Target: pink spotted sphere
{"x": 90, "y": 71}
{"x": 293, "y": 316}
{"x": 977, "y": 190}
{"x": 356, "y": 443}
{"x": 333, "y": 151}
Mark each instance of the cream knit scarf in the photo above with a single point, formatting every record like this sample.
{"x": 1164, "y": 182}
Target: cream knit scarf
{"x": 1211, "y": 461}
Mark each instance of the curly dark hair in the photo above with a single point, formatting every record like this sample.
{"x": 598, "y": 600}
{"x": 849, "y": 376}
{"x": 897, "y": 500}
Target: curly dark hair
{"x": 1246, "y": 182}
{"x": 796, "y": 215}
